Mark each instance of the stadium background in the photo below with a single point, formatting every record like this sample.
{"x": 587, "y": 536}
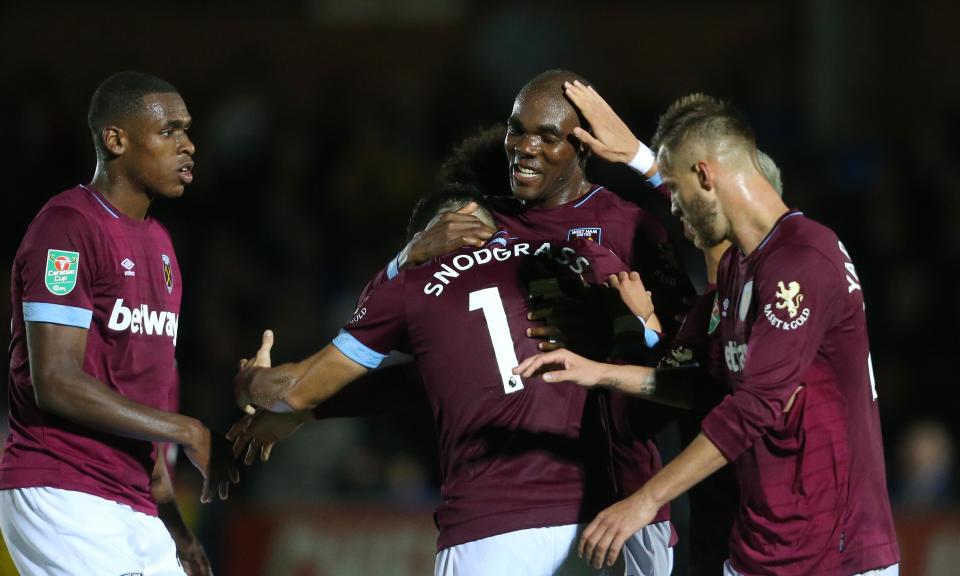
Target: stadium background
{"x": 319, "y": 123}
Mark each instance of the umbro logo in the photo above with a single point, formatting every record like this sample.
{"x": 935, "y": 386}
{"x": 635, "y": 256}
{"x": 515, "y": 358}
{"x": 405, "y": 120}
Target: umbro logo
{"x": 128, "y": 267}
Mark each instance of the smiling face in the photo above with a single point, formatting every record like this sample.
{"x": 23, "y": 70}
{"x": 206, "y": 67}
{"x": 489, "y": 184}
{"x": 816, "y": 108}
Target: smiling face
{"x": 157, "y": 152}
{"x": 544, "y": 159}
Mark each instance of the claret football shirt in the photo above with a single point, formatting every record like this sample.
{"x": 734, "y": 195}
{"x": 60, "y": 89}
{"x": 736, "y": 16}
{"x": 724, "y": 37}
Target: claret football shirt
{"x": 84, "y": 264}
{"x": 812, "y": 480}
{"x": 512, "y": 450}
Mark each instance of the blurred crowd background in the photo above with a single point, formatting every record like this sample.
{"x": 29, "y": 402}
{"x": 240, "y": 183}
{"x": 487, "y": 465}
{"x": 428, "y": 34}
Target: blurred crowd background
{"x": 319, "y": 123}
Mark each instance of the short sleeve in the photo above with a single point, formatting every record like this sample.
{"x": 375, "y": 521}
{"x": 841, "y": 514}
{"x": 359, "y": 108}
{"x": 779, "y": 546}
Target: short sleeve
{"x": 57, "y": 264}
{"x": 377, "y": 326}
{"x": 797, "y": 294}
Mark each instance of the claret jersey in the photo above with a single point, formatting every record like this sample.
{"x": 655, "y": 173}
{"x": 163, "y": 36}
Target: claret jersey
{"x": 812, "y": 480}
{"x": 84, "y": 264}
{"x": 512, "y": 450}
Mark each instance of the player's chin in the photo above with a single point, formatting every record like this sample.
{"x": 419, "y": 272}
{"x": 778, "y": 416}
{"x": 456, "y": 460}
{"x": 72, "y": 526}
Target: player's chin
{"x": 528, "y": 192}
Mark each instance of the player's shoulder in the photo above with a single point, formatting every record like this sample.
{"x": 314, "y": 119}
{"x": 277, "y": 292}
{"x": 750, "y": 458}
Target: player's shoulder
{"x": 67, "y": 210}
{"x": 801, "y": 237}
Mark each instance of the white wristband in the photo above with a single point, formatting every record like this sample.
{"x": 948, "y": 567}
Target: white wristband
{"x": 643, "y": 160}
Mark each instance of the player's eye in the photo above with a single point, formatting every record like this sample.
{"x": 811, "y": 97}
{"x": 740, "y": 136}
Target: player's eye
{"x": 166, "y": 132}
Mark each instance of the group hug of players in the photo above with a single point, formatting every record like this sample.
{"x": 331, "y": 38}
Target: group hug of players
{"x": 551, "y": 331}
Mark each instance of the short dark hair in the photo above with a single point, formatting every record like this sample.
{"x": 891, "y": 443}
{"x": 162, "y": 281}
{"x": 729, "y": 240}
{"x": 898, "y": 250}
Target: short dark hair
{"x": 121, "y": 96}
{"x": 553, "y": 79}
{"x": 478, "y": 161}
{"x": 448, "y": 195}
{"x": 701, "y": 116}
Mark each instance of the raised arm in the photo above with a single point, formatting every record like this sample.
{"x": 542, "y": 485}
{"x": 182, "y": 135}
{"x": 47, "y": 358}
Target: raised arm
{"x": 297, "y": 386}
{"x": 670, "y": 386}
{"x": 63, "y": 389}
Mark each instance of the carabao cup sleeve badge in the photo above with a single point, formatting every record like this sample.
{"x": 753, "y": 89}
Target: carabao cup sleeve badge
{"x": 62, "y": 268}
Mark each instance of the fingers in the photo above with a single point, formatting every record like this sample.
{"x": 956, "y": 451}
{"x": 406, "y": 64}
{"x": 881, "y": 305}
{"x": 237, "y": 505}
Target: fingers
{"x": 599, "y": 553}
{"x": 206, "y": 494}
{"x": 546, "y": 332}
{"x": 252, "y": 450}
{"x": 614, "y": 281}
{"x": 596, "y": 146}
{"x": 529, "y": 366}
{"x": 469, "y": 208}
{"x": 265, "y": 451}
{"x": 238, "y": 427}
{"x": 623, "y": 277}
{"x": 539, "y": 314}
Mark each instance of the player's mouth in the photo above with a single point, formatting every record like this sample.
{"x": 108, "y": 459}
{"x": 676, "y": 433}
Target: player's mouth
{"x": 525, "y": 174}
{"x": 186, "y": 173}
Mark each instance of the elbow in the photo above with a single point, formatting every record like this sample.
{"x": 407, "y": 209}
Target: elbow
{"x": 48, "y": 392}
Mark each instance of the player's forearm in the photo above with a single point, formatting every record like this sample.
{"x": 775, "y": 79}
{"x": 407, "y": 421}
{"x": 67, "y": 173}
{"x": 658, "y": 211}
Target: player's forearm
{"x": 82, "y": 399}
{"x": 168, "y": 511}
{"x": 697, "y": 461}
{"x": 670, "y": 386}
{"x": 297, "y": 386}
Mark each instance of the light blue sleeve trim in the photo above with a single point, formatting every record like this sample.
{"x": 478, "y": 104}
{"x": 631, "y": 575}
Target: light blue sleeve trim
{"x": 655, "y": 180}
{"x": 393, "y": 268}
{"x": 650, "y": 336}
{"x": 57, "y": 314}
{"x": 357, "y": 350}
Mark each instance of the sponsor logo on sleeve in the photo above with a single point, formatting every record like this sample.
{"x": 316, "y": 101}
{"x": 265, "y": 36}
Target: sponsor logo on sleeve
{"x": 62, "y": 268}
{"x": 735, "y": 355}
{"x": 789, "y": 299}
{"x": 589, "y": 233}
{"x": 167, "y": 273}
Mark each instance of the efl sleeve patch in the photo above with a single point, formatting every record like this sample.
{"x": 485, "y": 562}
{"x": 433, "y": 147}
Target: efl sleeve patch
{"x": 62, "y": 268}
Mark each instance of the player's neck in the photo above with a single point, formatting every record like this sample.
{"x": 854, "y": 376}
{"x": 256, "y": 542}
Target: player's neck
{"x": 567, "y": 194}
{"x": 751, "y": 224}
{"x": 130, "y": 199}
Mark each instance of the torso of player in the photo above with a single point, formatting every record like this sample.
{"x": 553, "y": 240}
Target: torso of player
{"x": 125, "y": 273}
{"x": 816, "y": 478}
{"x": 511, "y": 448}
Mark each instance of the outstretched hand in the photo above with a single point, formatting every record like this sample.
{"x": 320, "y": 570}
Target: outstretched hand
{"x": 563, "y": 365}
{"x": 611, "y": 139}
{"x": 211, "y": 455}
{"x": 257, "y": 433}
{"x": 248, "y": 368}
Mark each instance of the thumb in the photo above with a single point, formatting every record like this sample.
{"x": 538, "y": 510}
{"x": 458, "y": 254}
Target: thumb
{"x": 469, "y": 208}
{"x": 263, "y": 354}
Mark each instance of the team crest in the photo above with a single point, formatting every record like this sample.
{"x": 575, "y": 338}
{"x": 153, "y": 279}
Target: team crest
{"x": 62, "y": 267}
{"x": 592, "y": 234}
{"x": 789, "y": 298}
{"x": 167, "y": 273}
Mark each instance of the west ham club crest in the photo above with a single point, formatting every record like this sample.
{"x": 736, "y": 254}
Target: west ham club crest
{"x": 167, "y": 273}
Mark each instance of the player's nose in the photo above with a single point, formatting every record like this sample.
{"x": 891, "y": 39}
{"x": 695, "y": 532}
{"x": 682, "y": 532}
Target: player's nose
{"x": 186, "y": 146}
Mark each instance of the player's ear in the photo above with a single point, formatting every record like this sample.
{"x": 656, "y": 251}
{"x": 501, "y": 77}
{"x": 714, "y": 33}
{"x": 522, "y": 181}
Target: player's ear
{"x": 114, "y": 139}
{"x": 705, "y": 174}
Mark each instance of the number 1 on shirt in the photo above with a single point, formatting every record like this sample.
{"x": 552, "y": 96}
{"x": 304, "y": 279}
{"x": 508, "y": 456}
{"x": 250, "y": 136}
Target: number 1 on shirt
{"x": 490, "y": 302}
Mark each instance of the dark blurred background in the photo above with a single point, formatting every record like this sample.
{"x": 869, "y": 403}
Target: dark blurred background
{"x": 319, "y": 123}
